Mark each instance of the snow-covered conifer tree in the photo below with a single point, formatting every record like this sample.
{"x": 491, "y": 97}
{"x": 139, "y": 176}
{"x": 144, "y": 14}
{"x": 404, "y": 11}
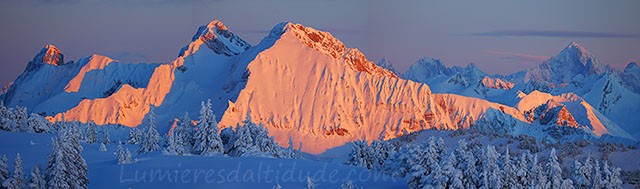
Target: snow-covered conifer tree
{"x": 151, "y": 139}
{"x": 92, "y": 133}
{"x": 135, "y": 136}
{"x": 310, "y": 183}
{"x": 244, "y": 141}
{"x": 38, "y": 124}
{"x": 538, "y": 177}
{"x": 102, "y": 147}
{"x": 174, "y": 145}
{"x": 4, "y": 118}
{"x": 522, "y": 171}
{"x": 553, "y": 170}
{"x": 37, "y": 180}
{"x": 17, "y": 178}
{"x": 21, "y": 118}
{"x": 597, "y": 175}
{"x": 491, "y": 167}
{"x": 207, "y": 138}
{"x": 452, "y": 174}
{"x": 184, "y": 132}
{"x": 360, "y": 155}
{"x": 106, "y": 139}
{"x": 4, "y": 171}
{"x": 348, "y": 185}
{"x": 124, "y": 156}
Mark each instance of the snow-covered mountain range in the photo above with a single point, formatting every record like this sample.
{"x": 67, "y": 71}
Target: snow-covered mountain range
{"x": 611, "y": 95}
{"x": 306, "y": 84}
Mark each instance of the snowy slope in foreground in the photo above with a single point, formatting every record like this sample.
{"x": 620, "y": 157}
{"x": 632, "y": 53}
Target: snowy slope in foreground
{"x": 198, "y": 171}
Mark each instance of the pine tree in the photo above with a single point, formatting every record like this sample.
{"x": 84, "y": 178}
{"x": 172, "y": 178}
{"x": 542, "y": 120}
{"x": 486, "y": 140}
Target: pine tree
{"x": 92, "y": 133}
{"x": 522, "y": 171}
{"x": 37, "y": 179}
{"x": 184, "y": 132}
{"x": 135, "y": 136}
{"x": 4, "y": 118}
{"x": 4, "y": 171}
{"x": 174, "y": 145}
{"x": 452, "y": 174}
{"x": 21, "y": 119}
{"x": 123, "y": 155}
{"x": 597, "y": 176}
{"x": 553, "y": 170}
{"x": 38, "y": 124}
{"x": 207, "y": 138}
{"x": 615, "y": 181}
{"x": 491, "y": 169}
{"x": 127, "y": 155}
{"x": 66, "y": 168}
{"x": 348, "y": 185}
{"x": 538, "y": 176}
{"x": 582, "y": 173}
{"x": 17, "y": 178}
{"x": 102, "y": 148}
{"x": 435, "y": 177}
{"x": 277, "y": 186}
{"x": 508, "y": 171}
{"x": 57, "y": 173}
{"x": 244, "y": 143}
{"x": 151, "y": 139}
{"x": 310, "y": 183}
{"x": 467, "y": 163}
{"x": 380, "y": 151}
{"x": 106, "y": 139}
{"x": 360, "y": 155}
{"x": 567, "y": 184}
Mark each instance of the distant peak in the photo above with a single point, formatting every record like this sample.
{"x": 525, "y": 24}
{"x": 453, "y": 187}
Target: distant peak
{"x": 429, "y": 60}
{"x": 386, "y": 64}
{"x": 575, "y": 49}
{"x": 471, "y": 66}
{"x": 218, "y": 38}
{"x": 631, "y": 65}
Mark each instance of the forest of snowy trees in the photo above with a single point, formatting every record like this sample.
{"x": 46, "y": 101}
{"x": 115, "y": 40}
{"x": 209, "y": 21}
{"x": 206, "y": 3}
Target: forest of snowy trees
{"x": 431, "y": 164}
{"x": 426, "y": 164}
{"x": 66, "y": 168}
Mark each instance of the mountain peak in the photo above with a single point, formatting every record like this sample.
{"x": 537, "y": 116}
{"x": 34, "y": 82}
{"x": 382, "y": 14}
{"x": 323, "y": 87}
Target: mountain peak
{"x": 576, "y": 54}
{"x": 311, "y": 37}
{"x": 327, "y": 44}
{"x": 217, "y": 25}
{"x": 50, "y": 54}
{"x": 574, "y": 60}
{"x": 217, "y": 37}
{"x": 386, "y": 64}
{"x": 631, "y": 65}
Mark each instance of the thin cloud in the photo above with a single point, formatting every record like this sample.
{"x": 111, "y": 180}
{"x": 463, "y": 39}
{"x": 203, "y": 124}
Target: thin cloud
{"x": 519, "y": 57}
{"x": 552, "y": 33}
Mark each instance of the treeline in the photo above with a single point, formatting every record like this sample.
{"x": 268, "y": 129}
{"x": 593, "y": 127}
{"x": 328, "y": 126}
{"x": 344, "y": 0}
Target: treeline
{"x": 432, "y": 164}
{"x": 19, "y": 120}
{"x": 247, "y": 139}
